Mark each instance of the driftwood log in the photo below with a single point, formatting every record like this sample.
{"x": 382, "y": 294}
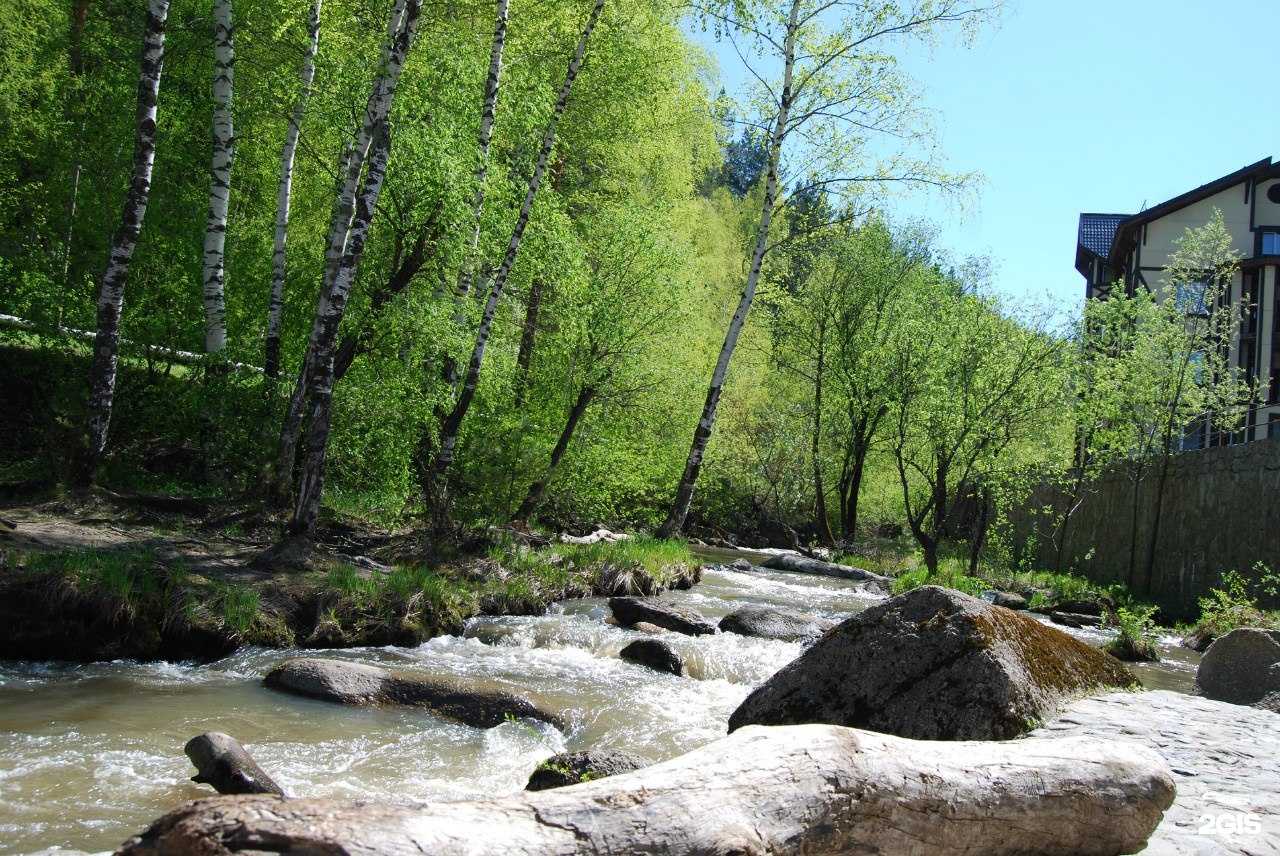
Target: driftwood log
{"x": 222, "y": 762}
{"x": 812, "y": 789}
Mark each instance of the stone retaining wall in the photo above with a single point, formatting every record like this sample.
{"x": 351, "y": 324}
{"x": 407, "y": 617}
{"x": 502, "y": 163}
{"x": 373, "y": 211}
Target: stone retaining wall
{"x": 1221, "y": 512}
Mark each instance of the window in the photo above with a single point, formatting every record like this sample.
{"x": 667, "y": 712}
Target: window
{"x": 1192, "y": 298}
{"x": 1271, "y": 243}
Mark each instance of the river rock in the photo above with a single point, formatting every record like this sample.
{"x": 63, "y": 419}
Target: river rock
{"x": 769, "y": 623}
{"x": 574, "y": 768}
{"x": 804, "y": 565}
{"x": 662, "y": 612}
{"x": 222, "y": 762}
{"x": 1241, "y": 667}
{"x": 741, "y": 565}
{"x": 1008, "y": 600}
{"x": 361, "y": 685}
{"x": 802, "y": 790}
{"x": 934, "y": 664}
{"x": 1075, "y": 619}
{"x": 655, "y": 654}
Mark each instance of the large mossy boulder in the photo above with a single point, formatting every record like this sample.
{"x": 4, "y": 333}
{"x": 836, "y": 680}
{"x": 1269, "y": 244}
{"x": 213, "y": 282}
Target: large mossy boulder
{"x": 934, "y": 664}
{"x": 1241, "y": 667}
{"x": 361, "y": 685}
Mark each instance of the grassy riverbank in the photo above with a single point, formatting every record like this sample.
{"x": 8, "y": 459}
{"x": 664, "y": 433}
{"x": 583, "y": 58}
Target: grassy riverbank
{"x": 99, "y": 587}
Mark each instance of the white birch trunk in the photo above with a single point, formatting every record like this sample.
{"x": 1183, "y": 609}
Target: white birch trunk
{"x": 215, "y": 230}
{"x": 311, "y": 484}
{"x": 466, "y": 274}
{"x": 276, "y": 309}
{"x": 817, "y": 790}
{"x": 453, "y": 422}
{"x": 674, "y": 523}
{"x": 384, "y": 86}
{"x": 333, "y": 301}
{"x": 106, "y": 344}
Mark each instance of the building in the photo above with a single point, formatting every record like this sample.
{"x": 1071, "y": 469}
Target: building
{"x": 1130, "y": 250}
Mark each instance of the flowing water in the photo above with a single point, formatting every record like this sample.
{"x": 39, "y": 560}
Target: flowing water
{"x": 90, "y": 754}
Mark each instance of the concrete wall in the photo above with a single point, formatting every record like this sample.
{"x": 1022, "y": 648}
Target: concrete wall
{"x": 1221, "y": 512}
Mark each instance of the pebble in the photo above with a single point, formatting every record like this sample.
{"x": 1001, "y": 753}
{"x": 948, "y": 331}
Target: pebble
{"x": 1225, "y": 760}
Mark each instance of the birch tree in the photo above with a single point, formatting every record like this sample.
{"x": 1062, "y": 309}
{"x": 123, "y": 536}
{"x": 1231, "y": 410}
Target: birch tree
{"x": 271, "y": 365}
{"x": 466, "y": 274}
{"x": 333, "y": 301}
{"x": 215, "y": 230}
{"x": 351, "y": 165}
{"x": 452, "y": 423}
{"x": 838, "y": 93}
{"x": 106, "y": 343}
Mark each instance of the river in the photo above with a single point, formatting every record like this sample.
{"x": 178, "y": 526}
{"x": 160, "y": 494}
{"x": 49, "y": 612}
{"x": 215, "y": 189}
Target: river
{"x": 92, "y": 753}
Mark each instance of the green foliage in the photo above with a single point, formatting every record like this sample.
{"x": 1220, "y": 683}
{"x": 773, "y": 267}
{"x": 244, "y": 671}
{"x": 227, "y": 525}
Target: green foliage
{"x": 949, "y": 575}
{"x": 1134, "y": 642}
{"x": 1235, "y": 602}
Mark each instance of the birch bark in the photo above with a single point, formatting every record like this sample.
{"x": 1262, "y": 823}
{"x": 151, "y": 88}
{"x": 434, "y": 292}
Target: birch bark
{"x": 674, "y": 523}
{"x": 215, "y": 230}
{"x": 311, "y": 484}
{"x": 271, "y": 365}
{"x": 383, "y": 90}
{"x": 449, "y": 429}
{"x": 106, "y": 345}
{"x": 333, "y": 300}
{"x": 466, "y": 274}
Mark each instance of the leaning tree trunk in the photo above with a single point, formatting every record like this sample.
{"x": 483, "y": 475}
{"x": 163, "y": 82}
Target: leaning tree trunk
{"x": 271, "y": 365}
{"x": 533, "y": 498}
{"x": 674, "y": 524}
{"x": 466, "y": 274}
{"x": 528, "y": 335}
{"x": 352, "y": 163}
{"x": 312, "y": 482}
{"x": 800, "y": 789}
{"x": 215, "y": 229}
{"x": 435, "y": 477}
{"x": 106, "y": 344}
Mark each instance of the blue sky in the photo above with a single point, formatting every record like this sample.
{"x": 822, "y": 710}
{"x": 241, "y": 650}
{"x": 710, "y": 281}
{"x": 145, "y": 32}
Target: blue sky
{"x": 1083, "y": 105}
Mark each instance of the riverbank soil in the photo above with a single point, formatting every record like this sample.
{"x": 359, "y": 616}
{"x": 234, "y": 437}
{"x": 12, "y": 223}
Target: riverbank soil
{"x": 102, "y": 576}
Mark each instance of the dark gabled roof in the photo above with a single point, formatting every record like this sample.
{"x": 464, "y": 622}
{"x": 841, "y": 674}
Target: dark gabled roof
{"x": 1204, "y": 191}
{"x": 1097, "y": 231}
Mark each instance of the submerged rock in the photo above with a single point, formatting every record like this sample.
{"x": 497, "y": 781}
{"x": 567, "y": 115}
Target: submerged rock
{"x": 655, "y": 654}
{"x": 934, "y": 664}
{"x": 574, "y": 768}
{"x": 1241, "y": 667}
{"x": 662, "y": 612}
{"x": 770, "y": 623}
{"x": 1009, "y": 600}
{"x": 360, "y": 685}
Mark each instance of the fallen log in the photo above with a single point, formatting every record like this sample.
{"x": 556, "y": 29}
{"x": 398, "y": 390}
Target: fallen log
{"x": 804, "y": 565}
{"x": 812, "y": 789}
{"x": 222, "y": 762}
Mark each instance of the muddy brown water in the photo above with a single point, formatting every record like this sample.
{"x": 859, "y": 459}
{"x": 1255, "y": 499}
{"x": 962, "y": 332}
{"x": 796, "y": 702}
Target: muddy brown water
{"x": 90, "y": 754}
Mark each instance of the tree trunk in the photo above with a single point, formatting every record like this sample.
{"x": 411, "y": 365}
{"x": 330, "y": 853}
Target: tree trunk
{"x": 820, "y": 498}
{"x": 466, "y": 273}
{"x": 271, "y": 365}
{"x": 311, "y": 484}
{"x": 534, "y": 496}
{"x": 800, "y": 789}
{"x": 223, "y": 763}
{"x": 980, "y": 534}
{"x": 1149, "y": 574}
{"x": 524, "y": 357}
{"x": 674, "y": 524}
{"x": 215, "y": 230}
{"x": 849, "y": 524}
{"x": 378, "y": 105}
{"x": 106, "y": 344}
{"x": 436, "y": 497}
